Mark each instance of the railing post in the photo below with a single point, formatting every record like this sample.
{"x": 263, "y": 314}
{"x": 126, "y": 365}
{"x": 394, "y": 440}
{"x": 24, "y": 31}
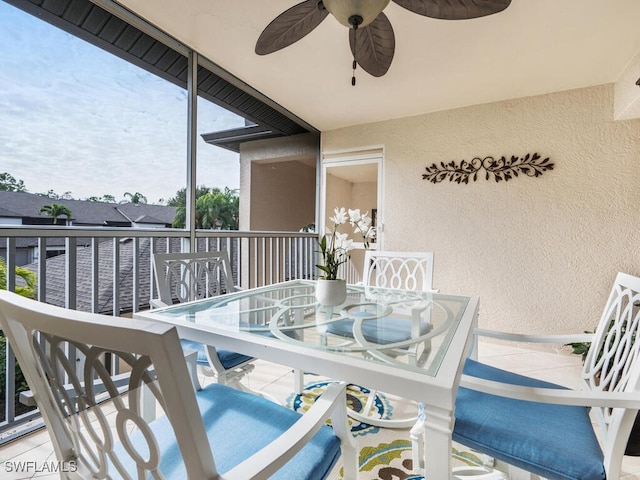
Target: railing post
{"x": 11, "y": 264}
{"x": 71, "y": 251}
{"x": 135, "y": 261}
{"x": 95, "y": 275}
{"x": 10, "y": 383}
{"x": 116, "y": 277}
{"x": 152, "y": 280}
{"x": 42, "y": 269}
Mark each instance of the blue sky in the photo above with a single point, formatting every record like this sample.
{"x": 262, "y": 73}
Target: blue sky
{"x": 74, "y": 118}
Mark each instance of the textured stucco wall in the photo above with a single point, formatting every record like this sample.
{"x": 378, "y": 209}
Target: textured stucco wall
{"x": 283, "y": 196}
{"x": 540, "y": 252}
{"x": 278, "y": 183}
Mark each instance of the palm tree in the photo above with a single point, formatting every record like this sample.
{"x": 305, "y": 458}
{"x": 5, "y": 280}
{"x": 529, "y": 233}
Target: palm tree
{"x": 218, "y": 210}
{"x": 135, "y": 198}
{"x": 28, "y": 289}
{"x": 214, "y": 208}
{"x": 180, "y": 202}
{"x": 208, "y": 211}
{"x": 56, "y": 210}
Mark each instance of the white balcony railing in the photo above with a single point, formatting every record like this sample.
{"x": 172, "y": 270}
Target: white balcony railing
{"x": 108, "y": 270}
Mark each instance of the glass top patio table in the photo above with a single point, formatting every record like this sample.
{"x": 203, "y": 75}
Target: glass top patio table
{"x": 368, "y": 322}
{"x": 284, "y": 323}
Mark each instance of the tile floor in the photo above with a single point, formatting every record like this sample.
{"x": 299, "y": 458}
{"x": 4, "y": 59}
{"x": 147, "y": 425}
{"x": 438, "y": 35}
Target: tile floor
{"x": 555, "y": 366}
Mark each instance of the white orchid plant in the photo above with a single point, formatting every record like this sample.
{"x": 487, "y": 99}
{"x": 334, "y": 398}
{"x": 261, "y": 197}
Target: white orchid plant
{"x": 334, "y": 247}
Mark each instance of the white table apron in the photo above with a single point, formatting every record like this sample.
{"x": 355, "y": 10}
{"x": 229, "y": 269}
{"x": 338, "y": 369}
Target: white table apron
{"x": 282, "y": 323}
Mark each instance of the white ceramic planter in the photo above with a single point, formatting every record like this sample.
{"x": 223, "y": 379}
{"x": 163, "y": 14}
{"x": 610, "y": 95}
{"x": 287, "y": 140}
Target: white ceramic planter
{"x": 331, "y": 293}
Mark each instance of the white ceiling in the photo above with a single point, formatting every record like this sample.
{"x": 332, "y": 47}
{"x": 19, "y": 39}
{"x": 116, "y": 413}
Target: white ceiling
{"x": 533, "y": 47}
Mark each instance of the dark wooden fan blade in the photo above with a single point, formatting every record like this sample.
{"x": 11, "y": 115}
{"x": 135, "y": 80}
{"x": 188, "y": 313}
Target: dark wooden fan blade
{"x": 290, "y": 26}
{"x": 454, "y": 9}
{"x": 374, "y": 45}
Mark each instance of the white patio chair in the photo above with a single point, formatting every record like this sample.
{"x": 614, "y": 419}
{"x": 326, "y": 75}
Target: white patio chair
{"x": 184, "y": 277}
{"x": 214, "y": 433}
{"x": 545, "y": 429}
{"x": 399, "y": 270}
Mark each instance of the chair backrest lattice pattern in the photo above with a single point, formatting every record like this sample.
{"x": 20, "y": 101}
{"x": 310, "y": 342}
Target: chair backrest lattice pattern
{"x": 612, "y": 361}
{"x": 97, "y": 424}
{"x": 84, "y": 408}
{"x": 183, "y": 277}
{"x": 401, "y": 270}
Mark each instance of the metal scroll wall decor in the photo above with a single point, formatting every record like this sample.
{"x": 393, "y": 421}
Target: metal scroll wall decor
{"x": 531, "y": 165}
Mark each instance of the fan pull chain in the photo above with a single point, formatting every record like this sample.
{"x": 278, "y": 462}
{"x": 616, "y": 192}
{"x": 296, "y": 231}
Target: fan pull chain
{"x": 353, "y": 78}
{"x": 354, "y": 21}
{"x": 355, "y": 46}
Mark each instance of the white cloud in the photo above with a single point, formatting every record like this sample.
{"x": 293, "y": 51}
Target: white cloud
{"x": 74, "y": 118}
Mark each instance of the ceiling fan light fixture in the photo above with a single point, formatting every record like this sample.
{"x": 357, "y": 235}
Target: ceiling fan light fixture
{"x": 371, "y": 38}
{"x": 345, "y": 10}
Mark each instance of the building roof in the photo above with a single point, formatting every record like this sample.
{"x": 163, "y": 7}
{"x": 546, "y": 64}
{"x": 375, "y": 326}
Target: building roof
{"x": 8, "y": 213}
{"x": 84, "y": 212}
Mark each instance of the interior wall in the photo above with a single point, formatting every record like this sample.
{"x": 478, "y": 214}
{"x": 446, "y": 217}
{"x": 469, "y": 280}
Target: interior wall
{"x": 339, "y": 193}
{"x": 350, "y": 195}
{"x": 541, "y": 253}
{"x": 365, "y": 196}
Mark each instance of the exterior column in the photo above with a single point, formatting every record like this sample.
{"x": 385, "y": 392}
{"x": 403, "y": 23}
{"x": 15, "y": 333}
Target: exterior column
{"x": 192, "y": 132}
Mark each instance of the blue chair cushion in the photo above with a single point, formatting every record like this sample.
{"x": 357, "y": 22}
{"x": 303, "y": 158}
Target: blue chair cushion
{"x": 239, "y": 424}
{"x": 227, "y": 358}
{"x": 382, "y": 331}
{"x": 553, "y": 441}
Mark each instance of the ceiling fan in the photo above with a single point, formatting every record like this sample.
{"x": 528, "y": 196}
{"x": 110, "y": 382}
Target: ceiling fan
{"x": 370, "y": 33}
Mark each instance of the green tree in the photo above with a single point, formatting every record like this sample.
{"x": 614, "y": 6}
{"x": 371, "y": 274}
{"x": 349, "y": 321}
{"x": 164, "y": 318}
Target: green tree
{"x": 214, "y": 208}
{"x": 53, "y": 195}
{"x": 28, "y": 289}
{"x": 180, "y": 202}
{"x": 9, "y": 184}
{"x": 135, "y": 198}
{"x": 105, "y": 198}
{"x": 219, "y": 209}
{"x": 56, "y": 210}
{"x": 180, "y": 199}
